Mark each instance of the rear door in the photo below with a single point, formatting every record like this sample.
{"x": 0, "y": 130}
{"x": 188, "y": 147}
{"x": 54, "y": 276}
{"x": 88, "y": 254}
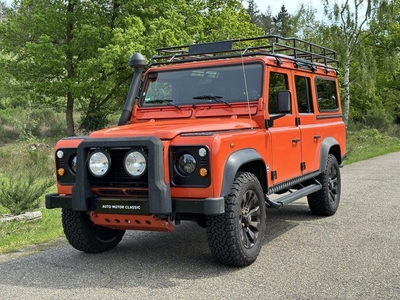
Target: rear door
{"x": 307, "y": 122}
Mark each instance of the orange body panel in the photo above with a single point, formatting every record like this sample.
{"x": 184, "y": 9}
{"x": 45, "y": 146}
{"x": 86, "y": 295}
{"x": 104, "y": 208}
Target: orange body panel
{"x": 69, "y": 144}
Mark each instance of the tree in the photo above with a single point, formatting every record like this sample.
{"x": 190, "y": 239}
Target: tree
{"x": 384, "y": 42}
{"x": 59, "y": 48}
{"x": 74, "y": 54}
{"x": 254, "y": 13}
{"x": 306, "y": 26}
{"x": 3, "y": 12}
{"x": 282, "y": 22}
{"x": 267, "y": 23}
{"x": 349, "y": 21}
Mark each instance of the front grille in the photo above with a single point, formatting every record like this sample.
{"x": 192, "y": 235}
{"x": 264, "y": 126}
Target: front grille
{"x": 159, "y": 194}
{"x": 117, "y": 177}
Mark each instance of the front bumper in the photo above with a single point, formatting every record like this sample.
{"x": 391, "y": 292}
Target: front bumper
{"x": 208, "y": 206}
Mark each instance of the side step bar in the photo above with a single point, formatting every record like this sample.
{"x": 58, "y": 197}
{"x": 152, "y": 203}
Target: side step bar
{"x": 307, "y": 190}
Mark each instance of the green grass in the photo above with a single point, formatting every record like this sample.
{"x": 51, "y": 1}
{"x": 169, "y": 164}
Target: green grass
{"x": 18, "y": 235}
{"x": 15, "y": 236}
{"x": 367, "y": 143}
{"x": 3, "y": 210}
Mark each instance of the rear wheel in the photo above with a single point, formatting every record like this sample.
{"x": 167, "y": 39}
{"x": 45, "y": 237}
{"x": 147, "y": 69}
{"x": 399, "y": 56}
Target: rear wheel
{"x": 235, "y": 237}
{"x": 85, "y": 236}
{"x": 325, "y": 202}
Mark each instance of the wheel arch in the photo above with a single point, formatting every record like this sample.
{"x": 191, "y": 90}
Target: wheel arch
{"x": 329, "y": 146}
{"x": 244, "y": 160}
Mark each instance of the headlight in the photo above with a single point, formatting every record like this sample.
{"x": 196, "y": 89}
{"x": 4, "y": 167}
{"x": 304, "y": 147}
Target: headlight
{"x": 73, "y": 164}
{"x": 99, "y": 163}
{"x": 135, "y": 163}
{"x": 186, "y": 164}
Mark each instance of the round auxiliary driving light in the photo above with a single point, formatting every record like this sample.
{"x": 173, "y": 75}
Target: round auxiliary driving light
{"x": 99, "y": 163}
{"x": 135, "y": 163}
{"x": 73, "y": 164}
{"x": 186, "y": 164}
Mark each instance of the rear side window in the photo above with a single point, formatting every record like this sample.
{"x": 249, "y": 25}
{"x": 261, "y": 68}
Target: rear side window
{"x": 303, "y": 94}
{"x": 327, "y": 95}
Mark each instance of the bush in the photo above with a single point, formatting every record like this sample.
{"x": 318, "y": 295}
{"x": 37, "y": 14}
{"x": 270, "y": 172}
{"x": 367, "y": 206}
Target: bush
{"x": 28, "y": 171}
{"x": 50, "y": 123}
{"x": 93, "y": 121}
{"x": 395, "y": 131}
{"x": 7, "y": 134}
{"x": 32, "y": 156}
{"x": 22, "y": 194}
{"x": 25, "y": 123}
{"x": 379, "y": 118}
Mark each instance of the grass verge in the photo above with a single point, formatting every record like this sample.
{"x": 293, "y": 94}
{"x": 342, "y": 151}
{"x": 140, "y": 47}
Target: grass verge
{"x": 18, "y": 235}
{"x": 368, "y": 143}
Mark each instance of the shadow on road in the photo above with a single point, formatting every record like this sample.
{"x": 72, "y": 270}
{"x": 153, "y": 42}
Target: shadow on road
{"x": 280, "y": 221}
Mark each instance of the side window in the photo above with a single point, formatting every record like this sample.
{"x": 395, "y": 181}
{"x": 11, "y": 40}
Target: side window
{"x": 327, "y": 95}
{"x": 277, "y": 82}
{"x": 303, "y": 93}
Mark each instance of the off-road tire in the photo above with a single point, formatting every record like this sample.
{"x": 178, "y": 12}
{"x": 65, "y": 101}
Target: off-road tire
{"x": 85, "y": 236}
{"x": 235, "y": 237}
{"x": 325, "y": 202}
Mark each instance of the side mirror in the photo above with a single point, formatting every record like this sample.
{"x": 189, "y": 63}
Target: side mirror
{"x": 284, "y": 102}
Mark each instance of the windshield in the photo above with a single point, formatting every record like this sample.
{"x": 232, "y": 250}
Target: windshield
{"x": 223, "y": 84}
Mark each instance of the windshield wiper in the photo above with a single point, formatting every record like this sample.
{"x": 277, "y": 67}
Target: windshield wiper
{"x": 212, "y": 97}
{"x": 163, "y": 101}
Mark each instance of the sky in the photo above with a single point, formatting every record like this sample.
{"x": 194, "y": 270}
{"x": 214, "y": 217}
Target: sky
{"x": 291, "y": 5}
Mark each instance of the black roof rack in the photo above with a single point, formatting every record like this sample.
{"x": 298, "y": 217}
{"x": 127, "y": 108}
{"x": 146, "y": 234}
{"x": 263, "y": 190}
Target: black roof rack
{"x": 302, "y": 53}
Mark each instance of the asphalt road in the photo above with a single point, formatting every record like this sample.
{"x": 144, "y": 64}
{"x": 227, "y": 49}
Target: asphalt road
{"x": 352, "y": 255}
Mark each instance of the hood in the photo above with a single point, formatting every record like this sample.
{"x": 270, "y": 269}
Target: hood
{"x": 167, "y": 130}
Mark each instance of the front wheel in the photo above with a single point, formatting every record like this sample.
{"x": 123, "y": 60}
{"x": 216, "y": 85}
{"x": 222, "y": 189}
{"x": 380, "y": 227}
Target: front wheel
{"x": 85, "y": 236}
{"x": 235, "y": 237}
{"x": 325, "y": 202}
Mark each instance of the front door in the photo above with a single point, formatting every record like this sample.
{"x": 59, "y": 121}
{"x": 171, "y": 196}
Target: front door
{"x": 285, "y": 134}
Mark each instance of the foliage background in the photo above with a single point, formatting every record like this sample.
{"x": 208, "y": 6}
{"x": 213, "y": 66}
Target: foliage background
{"x": 72, "y": 56}
{"x": 64, "y": 71}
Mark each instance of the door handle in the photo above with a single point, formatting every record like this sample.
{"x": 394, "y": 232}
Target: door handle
{"x": 295, "y": 141}
{"x": 316, "y": 137}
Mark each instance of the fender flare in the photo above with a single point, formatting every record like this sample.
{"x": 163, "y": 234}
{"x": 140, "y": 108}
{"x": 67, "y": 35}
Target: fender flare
{"x": 233, "y": 164}
{"x": 326, "y": 146}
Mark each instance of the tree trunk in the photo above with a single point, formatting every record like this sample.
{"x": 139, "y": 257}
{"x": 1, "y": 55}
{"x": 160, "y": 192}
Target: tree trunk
{"x": 69, "y": 115}
{"x": 346, "y": 85}
{"x": 70, "y": 68}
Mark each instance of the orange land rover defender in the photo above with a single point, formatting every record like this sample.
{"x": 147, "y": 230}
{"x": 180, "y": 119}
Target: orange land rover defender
{"x": 209, "y": 133}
